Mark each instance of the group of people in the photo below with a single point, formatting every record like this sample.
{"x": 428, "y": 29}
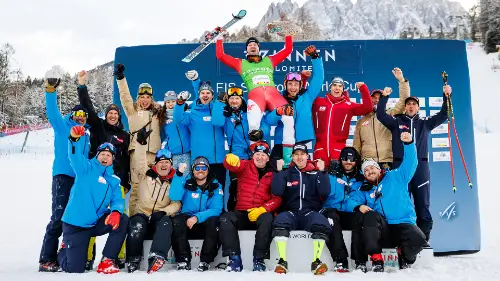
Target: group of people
{"x": 173, "y": 162}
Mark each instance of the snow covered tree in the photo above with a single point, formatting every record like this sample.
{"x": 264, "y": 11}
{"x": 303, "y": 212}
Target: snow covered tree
{"x": 431, "y": 31}
{"x": 473, "y": 21}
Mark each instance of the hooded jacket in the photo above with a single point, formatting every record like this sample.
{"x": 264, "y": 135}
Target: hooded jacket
{"x": 62, "y": 127}
{"x": 96, "y": 190}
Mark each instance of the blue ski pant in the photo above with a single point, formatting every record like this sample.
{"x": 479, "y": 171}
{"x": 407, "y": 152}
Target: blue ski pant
{"x": 73, "y": 256}
{"x": 61, "y": 188}
{"x": 310, "y": 221}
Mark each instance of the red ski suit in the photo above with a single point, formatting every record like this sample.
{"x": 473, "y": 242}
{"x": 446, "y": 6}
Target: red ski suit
{"x": 253, "y": 192}
{"x": 332, "y": 120}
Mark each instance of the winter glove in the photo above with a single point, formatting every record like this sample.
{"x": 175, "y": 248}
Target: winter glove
{"x": 182, "y": 97}
{"x": 76, "y": 132}
{"x": 334, "y": 167}
{"x": 113, "y": 220}
{"x": 192, "y": 75}
{"x": 119, "y": 69}
{"x": 222, "y": 97}
{"x": 233, "y": 160}
{"x": 142, "y": 136}
{"x": 285, "y": 110}
{"x": 254, "y": 213}
{"x": 312, "y": 52}
{"x": 51, "y": 84}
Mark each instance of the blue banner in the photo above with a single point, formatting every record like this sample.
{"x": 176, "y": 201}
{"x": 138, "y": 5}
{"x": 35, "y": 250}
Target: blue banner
{"x": 456, "y": 215}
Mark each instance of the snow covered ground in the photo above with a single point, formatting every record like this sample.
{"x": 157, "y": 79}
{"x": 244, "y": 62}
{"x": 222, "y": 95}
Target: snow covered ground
{"x": 26, "y": 181}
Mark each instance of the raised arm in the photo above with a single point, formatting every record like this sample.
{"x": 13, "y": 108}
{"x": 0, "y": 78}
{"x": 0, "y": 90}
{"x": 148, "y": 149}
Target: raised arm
{"x": 318, "y": 73}
{"x": 180, "y": 115}
{"x": 408, "y": 167}
{"x": 233, "y": 163}
{"x": 387, "y": 120}
{"x": 226, "y": 59}
{"x": 125, "y": 97}
{"x": 404, "y": 92}
{"x": 76, "y": 145}
{"x": 177, "y": 190}
{"x": 279, "y": 183}
{"x": 280, "y": 56}
{"x": 437, "y": 119}
{"x": 366, "y": 107}
{"x": 218, "y": 118}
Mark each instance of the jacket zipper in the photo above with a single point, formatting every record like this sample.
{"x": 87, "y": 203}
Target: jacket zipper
{"x": 343, "y": 124}
{"x": 375, "y": 138}
{"x": 157, "y": 196}
{"x": 254, "y": 192}
{"x": 201, "y": 197}
{"x": 213, "y": 129}
{"x": 317, "y": 121}
{"x": 180, "y": 140}
{"x": 300, "y": 189}
{"x": 328, "y": 130}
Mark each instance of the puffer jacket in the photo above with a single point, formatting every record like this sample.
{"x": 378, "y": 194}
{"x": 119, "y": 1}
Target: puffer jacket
{"x": 96, "y": 190}
{"x": 153, "y": 192}
{"x": 372, "y": 139}
{"x": 138, "y": 118}
{"x": 253, "y": 191}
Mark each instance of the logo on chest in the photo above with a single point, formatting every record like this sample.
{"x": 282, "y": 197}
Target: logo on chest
{"x": 207, "y": 118}
{"x": 322, "y": 108}
{"x": 293, "y": 183}
{"x": 365, "y": 123}
{"x": 403, "y": 127}
{"x": 102, "y": 180}
{"x": 195, "y": 195}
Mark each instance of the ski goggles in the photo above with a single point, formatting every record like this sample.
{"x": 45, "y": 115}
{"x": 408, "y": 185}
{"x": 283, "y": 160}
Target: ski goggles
{"x": 146, "y": 91}
{"x": 107, "y": 147}
{"x": 348, "y": 158}
{"x": 200, "y": 167}
{"x": 163, "y": 154}
{"x": 233, "y": 91}
{"x": 293, "y": 76}
{"x": 79, "y": 113}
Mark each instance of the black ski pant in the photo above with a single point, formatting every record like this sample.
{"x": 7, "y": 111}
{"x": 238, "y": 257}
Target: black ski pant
{"x": 233, "y": 188}
{"x": 310, "y": 221}
{"x": 159, "y": 224}
{"x": 220, "y": 173}
{"x": 207, "y": 231}
{"x": 231, "y": 222}
{"x": 61, "y": 188}
{"x": 345, "y": 221}
{"x": 378, "y": 234}
{"x": 73, "y": 257}
{"x": 420, "y": 188}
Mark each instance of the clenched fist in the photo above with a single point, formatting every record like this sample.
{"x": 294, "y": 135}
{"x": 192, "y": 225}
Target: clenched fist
{"x": 77, "y": 131}
{"x": 406, "y": 137}
{"x": 312, "y": 52}
{"x": 359, "y": 84}
{"x": 398, "y": 73}
{"x": 192, "y": 75}
{"x": 387, "y": 91}
{"x": 320, "y": 164}
{"x": 82, "y": 77}
{"x": 447, "y": 90}
{"x": 182, "y": 167}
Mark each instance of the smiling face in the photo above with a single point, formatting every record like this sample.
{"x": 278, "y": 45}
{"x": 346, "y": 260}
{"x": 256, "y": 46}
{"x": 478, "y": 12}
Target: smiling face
{"x": 206, "y": 96}
{"x": 300, "y": 158}
{"x": 375, "y": 98}
{"x": 235, "y": 101}
{"x": 145, "y": 101}
{"x": 80, "y": 120}
{"x": 348, "y": 165}
{"x": 199, "y": 172}
{"x": 105, "y": 158}
{"x": 336, "y": 89}
{"x": 260, "y": 159}
{"x": 293, "y": 88}
{"x": 170, "y": 104}
{"x": 371, "y": 173}
{"x": 253, "y": 49}
{"x": 112, "y": 117}
{"x": 163, "y": 167}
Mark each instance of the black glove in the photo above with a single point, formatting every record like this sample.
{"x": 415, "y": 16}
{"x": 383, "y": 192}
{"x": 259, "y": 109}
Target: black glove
{"x": 334, "y": 167}
{"x": 222, "y": 97}
{"x": 312, "y": 52}
{"x": 119, "y": 69}
{"x": 142, "y": 136}
{"x": 366, "y": 186}
{"x": 51, "y": 84}
{"x": 228, "y": 111}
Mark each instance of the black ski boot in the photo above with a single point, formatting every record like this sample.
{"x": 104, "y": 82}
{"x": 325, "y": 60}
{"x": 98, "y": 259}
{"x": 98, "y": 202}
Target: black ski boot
{"x": 50, "y": 266}
{"x": 203, "y": 266}
{"x": 155, "y": 263}
{"x": 133, "y": 264}
{"x": 318, "y": 267}
{"x": 361, "y": 265}
{"x": 184, "y": 264}
{"x": 281, "y": 267}
{"x": 341, "y": 266}
{"x": 377, "y": 263}
{"x": 89, "y": 265}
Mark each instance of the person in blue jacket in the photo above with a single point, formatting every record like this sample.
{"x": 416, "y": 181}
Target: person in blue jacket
{"x": 202, "y": 201}
{"x": 230, "y": 113}
{"x": 174, "y": 136}
{"x": 389, "y": 218}
{"x": 419, "y": 128}
{"x": 300, "y": 100}
{"x": 63, "y": 175}
{"x": 206, "y": 139}
{"x": 95, "y": 207}
{"x": 345, "y": 178}
{"x": 301, "y": 187}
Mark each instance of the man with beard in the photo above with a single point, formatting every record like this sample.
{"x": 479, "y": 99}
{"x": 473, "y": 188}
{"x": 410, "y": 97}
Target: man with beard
{"x": 108, "y": 130}
{"x": 202, "y": 201}
{"x": 372, "y": 139}
{"x": 63, "y": 174}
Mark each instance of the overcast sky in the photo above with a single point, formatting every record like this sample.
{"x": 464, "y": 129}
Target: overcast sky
{"x": 83, "y": 34}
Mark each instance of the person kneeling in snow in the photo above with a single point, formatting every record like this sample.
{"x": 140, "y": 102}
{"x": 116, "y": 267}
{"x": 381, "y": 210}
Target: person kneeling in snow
{"x": 301, "y": 186}
{"x": 202, "y": 200}
{"x": 94, "y": 208}
{"x": 384, "y": 200}
{"x": 152, "y": 211}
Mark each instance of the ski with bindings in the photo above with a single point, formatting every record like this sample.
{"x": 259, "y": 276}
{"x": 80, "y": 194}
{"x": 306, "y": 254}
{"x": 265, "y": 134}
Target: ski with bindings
{"x": 212, "y": 36}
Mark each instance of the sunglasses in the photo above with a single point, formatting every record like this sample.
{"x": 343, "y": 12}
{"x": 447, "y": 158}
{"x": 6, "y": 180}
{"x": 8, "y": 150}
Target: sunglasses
{"x": 146, "y": 91}
{"x": 79, "y": 113}
{"x": 348, "y": 159}
{"x": 198, "y": 168}
{"x": 293, "y": 76}
{"x": 235, "y": 92}
{"x": 107, "y": 147}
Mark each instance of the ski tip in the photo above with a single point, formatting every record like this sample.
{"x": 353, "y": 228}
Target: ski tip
{"x": 470, "y": 184}
{"x": 186, "y": 60}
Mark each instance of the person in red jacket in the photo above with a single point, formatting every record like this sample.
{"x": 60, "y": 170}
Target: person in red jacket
{"x": 258, "y": 75}
{"x": 332, "y": 118}
{"x": 254, "y": 207}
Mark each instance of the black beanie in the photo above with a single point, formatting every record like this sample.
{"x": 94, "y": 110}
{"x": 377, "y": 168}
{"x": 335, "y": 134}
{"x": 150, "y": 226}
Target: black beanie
{"x": 112, "y": 107}
{"x": 252, "y": 39}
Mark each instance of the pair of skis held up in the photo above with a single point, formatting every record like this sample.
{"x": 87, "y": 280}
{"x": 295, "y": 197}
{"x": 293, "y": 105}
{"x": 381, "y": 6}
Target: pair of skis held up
{"x": 451, "y": 119}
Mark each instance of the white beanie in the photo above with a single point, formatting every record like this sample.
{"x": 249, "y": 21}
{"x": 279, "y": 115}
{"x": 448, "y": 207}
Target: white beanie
{"x": 367, "y": 163}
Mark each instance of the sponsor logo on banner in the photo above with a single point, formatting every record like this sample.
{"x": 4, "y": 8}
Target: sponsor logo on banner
{"x": 435, "y": 101}
{"x": 422, "y": 113}
{"x": 440, "y": 142}
{"x": 391, "y": 262}
{"x": 292, "y": 183}
{"x": 449, "y": 212}
{"x": 421, "y": 101}
{"x": 391, "y": 103}
{"x": 433, "y": 112}
{"x": 441, "y": 156}
{"x": 349, "y": 142}
{"x": 352, "y": 128}
{"x": 441, "y": 129}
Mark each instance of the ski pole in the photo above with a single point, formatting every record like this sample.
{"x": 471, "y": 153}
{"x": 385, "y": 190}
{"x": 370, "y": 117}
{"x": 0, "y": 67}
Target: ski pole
{"x": 454, "y": 187}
